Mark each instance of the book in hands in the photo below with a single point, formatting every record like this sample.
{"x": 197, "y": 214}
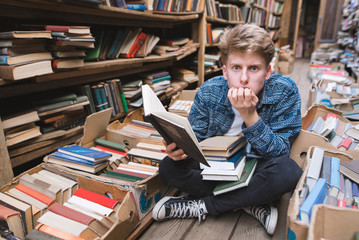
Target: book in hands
{"x": 172, "y": 127}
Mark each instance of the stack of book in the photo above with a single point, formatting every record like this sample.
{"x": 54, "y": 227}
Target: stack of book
{"x": 172, "y": 46}
{"x": 157, "y": 80}
{"x": 146, "y": 153}
{"x": 183, "y": 74}
{"x": 328, "y": 181}
{"x": 20, "y": 127}
{"x": 80, "y": 158}
{"x": 181, "y": 107}
{"x": 132, "y": 92}
{"x": 68, "y": 45}
{"x": 131, "y": 172}
{"x": 23, "y": 54}
{"x": 61, "y": 112}
{"x": 226, "y": 156}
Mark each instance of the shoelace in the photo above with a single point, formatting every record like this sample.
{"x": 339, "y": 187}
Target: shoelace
{"x": 260, "y": 213}
{"x": 188, "y": 209}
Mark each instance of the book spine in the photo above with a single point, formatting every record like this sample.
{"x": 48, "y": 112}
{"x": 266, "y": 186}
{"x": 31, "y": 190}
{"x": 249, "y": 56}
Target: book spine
{"x": 97, "y": 98}
{"x": 103, "y": 96}
{"x": 122, "y": 96}
{"x": 4, "y": 60}
{"x": 118, "y": 96}
{"x": 86, "y": 90}
{"x": 109, "y": 144}
{"x": 110, "y": 98}
{"x": 113, "y": 93}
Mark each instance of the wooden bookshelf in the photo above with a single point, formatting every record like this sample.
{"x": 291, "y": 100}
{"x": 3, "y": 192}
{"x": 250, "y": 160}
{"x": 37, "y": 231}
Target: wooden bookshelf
{"x": 63, "y": 13}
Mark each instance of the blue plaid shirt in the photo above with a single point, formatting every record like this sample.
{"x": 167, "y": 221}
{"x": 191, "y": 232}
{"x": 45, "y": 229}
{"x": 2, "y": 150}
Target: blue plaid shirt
{"x": 278, "y": 108}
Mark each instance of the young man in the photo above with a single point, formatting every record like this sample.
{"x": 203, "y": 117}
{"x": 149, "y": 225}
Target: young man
{"x": 247, "y": 99}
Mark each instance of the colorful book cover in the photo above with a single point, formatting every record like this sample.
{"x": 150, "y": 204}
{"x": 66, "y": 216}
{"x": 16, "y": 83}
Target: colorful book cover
{"x": 85, "y": 153}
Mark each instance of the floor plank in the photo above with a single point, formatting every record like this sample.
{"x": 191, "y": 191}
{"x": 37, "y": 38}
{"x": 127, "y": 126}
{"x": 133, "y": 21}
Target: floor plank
{"x": 215, "y": 228}
{"x": 173, "y": 229}
{"x": 249, "y": 227}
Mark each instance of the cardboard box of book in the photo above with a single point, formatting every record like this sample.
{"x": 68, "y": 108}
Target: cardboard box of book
{"x": 297, "y": 228}
{"x": 146, "y": 192}
{"x": 307, "y": 139}
{"x": 123, "y": 220}
{"x": 113, "y": 131}
{"x": 333, "y": 223}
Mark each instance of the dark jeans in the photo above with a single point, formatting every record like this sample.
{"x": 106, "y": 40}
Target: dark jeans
{"x": 271, "y": 179}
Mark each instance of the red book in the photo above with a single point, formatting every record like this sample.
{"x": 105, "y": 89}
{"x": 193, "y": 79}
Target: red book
{"x": 97, "y": 198}
{"x": 135, "y": 46}
{"x": 69, "y": 29}
{"x": 13, "y": 221}
{"x": 78, "y": 217}
{"x": 342, "y": 203}
{"x": 35, "y": 194}
{"x": 344, "y": 145}
{"x": 111, "y": 150}
{"x": 57, "y": 233}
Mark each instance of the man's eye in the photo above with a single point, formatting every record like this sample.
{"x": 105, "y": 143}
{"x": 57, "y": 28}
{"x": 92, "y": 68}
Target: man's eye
{"x": 236, "y": 68}
{"x": 254, "y": 68}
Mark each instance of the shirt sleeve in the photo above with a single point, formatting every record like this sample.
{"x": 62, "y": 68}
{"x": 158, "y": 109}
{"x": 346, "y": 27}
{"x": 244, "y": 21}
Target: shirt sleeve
{"x": 274, "y": 138}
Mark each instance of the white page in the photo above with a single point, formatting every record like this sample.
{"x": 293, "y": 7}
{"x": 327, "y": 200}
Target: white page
{"x": 151, "y": 103}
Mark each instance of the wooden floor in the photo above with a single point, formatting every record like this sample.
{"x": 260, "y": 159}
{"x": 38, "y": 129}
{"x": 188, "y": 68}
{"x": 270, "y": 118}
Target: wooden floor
{"x": 234, "y": 225}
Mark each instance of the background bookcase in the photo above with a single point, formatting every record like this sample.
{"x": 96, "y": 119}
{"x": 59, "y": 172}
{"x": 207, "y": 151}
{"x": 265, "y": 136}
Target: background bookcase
{"x": 65, "y": 13}
{"x": 264, "y": 13}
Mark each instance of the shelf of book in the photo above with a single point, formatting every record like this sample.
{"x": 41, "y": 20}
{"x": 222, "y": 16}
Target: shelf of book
{"x": 98, "y": 15}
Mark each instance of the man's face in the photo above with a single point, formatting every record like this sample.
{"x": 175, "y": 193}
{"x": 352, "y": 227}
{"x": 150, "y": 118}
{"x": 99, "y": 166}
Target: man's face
{"x": 246, "y": 71}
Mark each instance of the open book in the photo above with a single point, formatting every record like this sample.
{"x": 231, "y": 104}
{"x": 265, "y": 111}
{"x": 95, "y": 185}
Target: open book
{"x": 172, "y": 127}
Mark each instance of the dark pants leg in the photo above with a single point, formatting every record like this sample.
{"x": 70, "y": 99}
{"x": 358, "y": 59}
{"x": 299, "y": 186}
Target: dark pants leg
{"x": 271, "y": 179}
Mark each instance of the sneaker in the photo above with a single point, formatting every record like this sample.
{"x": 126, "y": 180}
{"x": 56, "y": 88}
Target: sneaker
{"x": 266, "y": 214}
{"x": 179, "y": 207}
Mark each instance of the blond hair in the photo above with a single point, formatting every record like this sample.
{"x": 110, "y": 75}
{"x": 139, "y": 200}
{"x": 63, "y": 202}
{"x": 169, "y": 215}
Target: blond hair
{"x": 246, "y": 38}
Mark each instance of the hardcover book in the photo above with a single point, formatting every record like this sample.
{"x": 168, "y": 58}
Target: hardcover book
{"x": 13, "y": 221}
{"x": 316, "y": 196}
{"x": 350, "y": 170}
{"x": 17, "y": 72}
{"x": 85, "y": 153}
{"x": 98, "y": 198}
{"x": 224, "y": 175}
{"x": 56, "y": 232}
{"x": 243, "y": 181}
{"x": 24, "y": 58}
{"x": 172, "y": 127}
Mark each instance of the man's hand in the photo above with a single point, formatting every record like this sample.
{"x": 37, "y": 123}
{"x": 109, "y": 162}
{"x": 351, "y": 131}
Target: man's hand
{"x": 177, "y": 154}
{"x": 244, "y": 101}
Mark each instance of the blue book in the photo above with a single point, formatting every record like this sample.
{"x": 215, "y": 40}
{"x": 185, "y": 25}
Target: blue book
{"x": 355, "y": 189}
{"x": 76, "y": 163}
{"x": 119, "y": 39}
{"x": 229, "y": 164}
{"x": 70, "y": 158}
{"x": 334, "y": 173}
{"x": 85, "y": 153}
{"x": 316, "y": 196}
{"x": 138, "y": 7}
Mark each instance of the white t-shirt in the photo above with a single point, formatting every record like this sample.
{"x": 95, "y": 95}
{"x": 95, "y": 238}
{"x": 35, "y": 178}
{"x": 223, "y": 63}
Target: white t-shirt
{"x": 236, "y": 127}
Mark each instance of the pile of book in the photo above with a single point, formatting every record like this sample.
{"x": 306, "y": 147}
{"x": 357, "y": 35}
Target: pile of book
{"x": 226, "y": 157}
{"x": 172, "y": 46}
{"x": 157, "y": 80}
{"x": 80, "y": 158}
{"x": 328, "y": 181}
{"x": 23, "y": 54}
{"x": 61, "y": 111}
{"x": 183, "y": 74}
{"x": 147, "y": 153}
{"x": 68, "y": 45}
{"x": 341, "y": 134}
{"x": 131, "y": 172}
{"x": 54, "y": 205}
{"x": 20, "y": 127}
{"x": 181, "y": 107}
